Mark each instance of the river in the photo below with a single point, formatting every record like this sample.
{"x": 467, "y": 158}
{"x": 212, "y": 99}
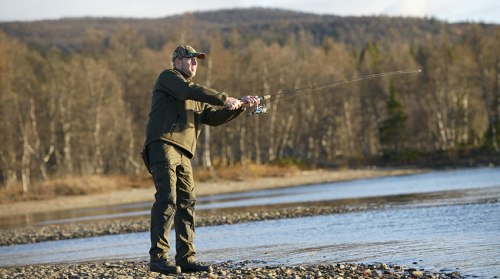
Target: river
{"x": 451, "y": 233}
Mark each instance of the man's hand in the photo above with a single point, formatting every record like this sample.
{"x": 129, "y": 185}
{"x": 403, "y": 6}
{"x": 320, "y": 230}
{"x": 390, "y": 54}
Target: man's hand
{"x": 250, "y": 101}
{"x": 232, "y": 103}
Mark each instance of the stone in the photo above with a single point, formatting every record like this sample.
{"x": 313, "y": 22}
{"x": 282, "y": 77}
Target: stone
{"x": 398, "y": 268}
{"x": 417, "y": 273}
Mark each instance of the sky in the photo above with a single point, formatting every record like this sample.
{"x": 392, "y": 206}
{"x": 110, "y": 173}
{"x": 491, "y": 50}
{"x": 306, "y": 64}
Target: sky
{"x": 486, "y": 11}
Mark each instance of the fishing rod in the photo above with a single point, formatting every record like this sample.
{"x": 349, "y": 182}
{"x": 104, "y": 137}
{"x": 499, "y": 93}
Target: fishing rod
{"x": 262, "y": 108}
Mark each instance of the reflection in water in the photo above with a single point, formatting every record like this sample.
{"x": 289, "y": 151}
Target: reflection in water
{"x": 465, "y": 237}
{"x": 374, "y": 187}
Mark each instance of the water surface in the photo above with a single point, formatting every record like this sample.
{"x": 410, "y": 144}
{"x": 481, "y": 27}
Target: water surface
{"x": 374, "y": 187}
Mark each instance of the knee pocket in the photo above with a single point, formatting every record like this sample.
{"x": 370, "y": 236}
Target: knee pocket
{"x": 170, "y": 209}
{"x": 186, "y": 204}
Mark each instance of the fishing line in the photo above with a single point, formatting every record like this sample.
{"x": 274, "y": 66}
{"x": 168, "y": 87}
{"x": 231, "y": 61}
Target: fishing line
{"x": 260, "y": 109}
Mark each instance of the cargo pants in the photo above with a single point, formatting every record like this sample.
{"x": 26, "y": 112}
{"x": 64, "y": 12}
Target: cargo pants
{"x": 174, "y": 202}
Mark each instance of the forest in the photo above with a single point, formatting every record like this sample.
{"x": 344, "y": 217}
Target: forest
{"x": 75, "y": 93}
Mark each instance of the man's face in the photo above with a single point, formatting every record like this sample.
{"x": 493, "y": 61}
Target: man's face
{"x": 187, "y": 66}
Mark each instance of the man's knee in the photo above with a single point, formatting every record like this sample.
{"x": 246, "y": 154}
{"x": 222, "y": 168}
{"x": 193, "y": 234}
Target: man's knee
{"x": 166, "y": 207}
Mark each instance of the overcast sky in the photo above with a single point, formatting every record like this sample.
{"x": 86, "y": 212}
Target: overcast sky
{"x": 487, "y": 11}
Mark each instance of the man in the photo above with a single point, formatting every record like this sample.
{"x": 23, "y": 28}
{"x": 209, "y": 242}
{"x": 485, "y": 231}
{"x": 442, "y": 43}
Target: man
{"x": 179, "y": 108}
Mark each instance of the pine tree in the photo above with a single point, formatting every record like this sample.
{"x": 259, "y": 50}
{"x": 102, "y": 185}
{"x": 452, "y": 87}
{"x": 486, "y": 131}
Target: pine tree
{"x": 393, "y": 133}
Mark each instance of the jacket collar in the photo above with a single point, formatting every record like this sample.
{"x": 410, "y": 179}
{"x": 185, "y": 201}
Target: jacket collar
{"x": 182, "y": 73}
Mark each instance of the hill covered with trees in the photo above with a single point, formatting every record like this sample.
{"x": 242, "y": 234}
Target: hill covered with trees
{"x": 269, "y": 25}
{"x": 75, "y": 93}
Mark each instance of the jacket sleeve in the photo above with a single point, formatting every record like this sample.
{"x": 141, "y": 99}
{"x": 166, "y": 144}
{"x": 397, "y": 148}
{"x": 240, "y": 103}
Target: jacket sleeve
{"x": 216, "y": 117}
{"x": 174, "y": 84}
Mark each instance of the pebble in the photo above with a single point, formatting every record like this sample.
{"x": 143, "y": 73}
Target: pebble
{"x": 417, "y": 273}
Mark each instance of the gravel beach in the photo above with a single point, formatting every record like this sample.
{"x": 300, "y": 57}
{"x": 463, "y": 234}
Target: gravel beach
{"x": 241, "y": 270}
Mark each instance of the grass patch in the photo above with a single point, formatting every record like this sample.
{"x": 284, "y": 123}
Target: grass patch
{"x": 241, "y": 172}
{"x": 74, "y": 185}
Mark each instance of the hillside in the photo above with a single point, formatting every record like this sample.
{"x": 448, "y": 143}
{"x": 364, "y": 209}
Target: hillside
{"x": 75, "y": 93}
{"x": 267, "y": 24}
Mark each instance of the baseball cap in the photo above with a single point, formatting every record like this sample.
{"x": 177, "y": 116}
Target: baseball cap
{"x": 187, "y": 51}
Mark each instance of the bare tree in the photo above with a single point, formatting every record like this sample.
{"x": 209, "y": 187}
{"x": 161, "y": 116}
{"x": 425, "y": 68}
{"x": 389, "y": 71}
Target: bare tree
{"x": 125, "y": 54}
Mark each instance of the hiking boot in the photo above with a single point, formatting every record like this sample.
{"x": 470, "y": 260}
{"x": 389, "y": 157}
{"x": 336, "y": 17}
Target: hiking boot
{"x": 195, "y": 266}
{"x": 164, "y": 267}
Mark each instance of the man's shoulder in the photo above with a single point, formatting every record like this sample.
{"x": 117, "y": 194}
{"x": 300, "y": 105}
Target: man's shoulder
{"x": 168, "y": 72}
{"x": 172, "y": 74}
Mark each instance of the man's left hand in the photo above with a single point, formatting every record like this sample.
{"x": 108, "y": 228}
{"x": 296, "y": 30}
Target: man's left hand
{"x": 233, "y": 103}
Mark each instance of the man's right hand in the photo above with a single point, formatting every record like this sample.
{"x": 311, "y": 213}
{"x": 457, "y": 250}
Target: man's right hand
{"x": 232, "y": 103}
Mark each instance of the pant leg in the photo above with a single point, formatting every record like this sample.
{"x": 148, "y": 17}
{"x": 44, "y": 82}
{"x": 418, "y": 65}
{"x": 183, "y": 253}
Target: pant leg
{"x": 185, "y": 215}
{"x": 164, "y": 160}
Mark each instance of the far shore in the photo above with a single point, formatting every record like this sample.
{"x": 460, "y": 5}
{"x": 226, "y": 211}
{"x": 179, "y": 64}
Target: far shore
{"x": 318, "y": 176}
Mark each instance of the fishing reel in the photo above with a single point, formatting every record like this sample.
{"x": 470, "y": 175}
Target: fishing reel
{"x": 260, "y": 108}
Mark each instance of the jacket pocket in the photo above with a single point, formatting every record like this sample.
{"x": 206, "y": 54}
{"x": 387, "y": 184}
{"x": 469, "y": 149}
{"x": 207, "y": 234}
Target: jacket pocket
{"x": 169, "y": 127}
{"x": 172, "y": 129}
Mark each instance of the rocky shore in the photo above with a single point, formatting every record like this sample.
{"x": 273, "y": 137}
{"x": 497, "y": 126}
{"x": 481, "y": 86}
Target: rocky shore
{"x": 240, "y": 270}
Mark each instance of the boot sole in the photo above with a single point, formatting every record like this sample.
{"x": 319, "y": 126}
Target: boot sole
{"x": 208, "y": 269}
{"x": 172, "y": 270}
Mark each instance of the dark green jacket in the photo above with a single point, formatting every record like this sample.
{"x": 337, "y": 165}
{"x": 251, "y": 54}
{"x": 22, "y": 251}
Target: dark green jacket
{"x": 179, "y": 107}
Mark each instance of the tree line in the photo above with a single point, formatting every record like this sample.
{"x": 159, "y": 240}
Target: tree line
{"x": 83, "y": 112}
